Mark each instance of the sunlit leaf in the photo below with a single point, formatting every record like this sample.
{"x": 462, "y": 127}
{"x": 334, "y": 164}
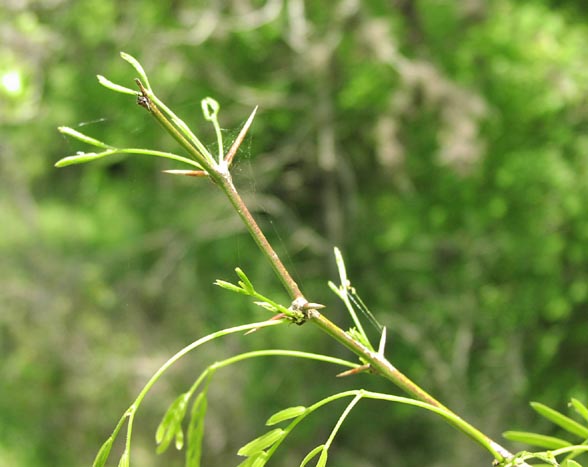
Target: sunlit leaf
{"x": 262, "y": 442}
{"x": 286, "y": 414}
{"x": 65, "y": 130}
{"x": 196, "y": 431}
{"x": 138, "y": 68}
{"x": 124, "y": 459}
{"x": 103, "y": 453}
{"x": 561, "y": 420}
{"x": 323, "y": 458}
{"x": 257, "y": 460}
{"x": 171, "y": 424}
{"x": 246, "y": 282}
{"x": 312, "y": 454}
{"x": 81, "y": 158}
{"x": 115, "y": 87}
{"x": 580, "y": 408}
{"x": 229, "y": 286}
{"x": 535, "y": 439}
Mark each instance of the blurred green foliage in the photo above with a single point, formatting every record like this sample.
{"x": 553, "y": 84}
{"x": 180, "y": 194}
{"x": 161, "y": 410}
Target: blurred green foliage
{"x": 441, "y": 145}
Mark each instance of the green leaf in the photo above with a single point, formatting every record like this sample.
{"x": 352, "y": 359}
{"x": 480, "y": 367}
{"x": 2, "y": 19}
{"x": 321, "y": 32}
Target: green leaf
{"x": 262, "y": 442}
{"x": 179, "y": 439}
{"x": 115, "y": 87}
{"x": 246, "y": 284}
{"x": 196, "y": 431}
{"x": 257, "y": 460}
{"x": 103, "y": 453}
{"x": 65, "y": 130}
{"x": 81, "y": 158}
{"x": 311, "y": 455}
{"x": 286, "y": 414}
{"x": 231, "y": 287}
{"x": 125, "y": 459}
{"x": 580, "y": 408}
{"x": 570, "y": 463}
{"x": 535, "y": 439}
{"x": 323, "y": 458}
{"x": 561, "y": 420}
{"x": 171, "y": 424}
{"x": 138, "y": 68}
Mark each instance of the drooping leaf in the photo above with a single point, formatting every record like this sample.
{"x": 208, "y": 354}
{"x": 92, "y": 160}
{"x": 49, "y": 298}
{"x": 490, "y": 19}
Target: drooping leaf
{"x": 103, "y": 453}
{"x": 138, "y": 68}
{"x": 286, "y": 414}
{"x": 171, "y": 424}
{"x": 257, "y": 460}
{"x": 561, "y": 420}
{"x": 65, "y": 130}
{"x": 262, "y": 442}
{"x": 196, "y": 431}
{"x": 535, "y": 439}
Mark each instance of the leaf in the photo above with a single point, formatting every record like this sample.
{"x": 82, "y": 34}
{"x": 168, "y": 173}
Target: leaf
{"x": 571, "y": 426}
{"x": 115, "y": 87}
{"x": 580, "y": 408}
{"x": 138, "y": 68}
{"x": 262, "y": 442}
{"x": 179, "y": 438}
{"x": 311, "y": 454}
{"x": 231, "y": 287}
{"x": 246, "y": 284}
{"x": 65, "y": 130}
{"x": 323, "y": 458}
{"x": 286, "y": 414}
{"x": 103, "y": 453}
{"x": 81, "y": 158}
{"x": 535, "y": 439}
{"x": 570, "y": 463}
{"x": 196, "y": 431}
{"x": 125, "y": 459}
{"x": 171, "y": 424}
{"x": 257, "y": 460}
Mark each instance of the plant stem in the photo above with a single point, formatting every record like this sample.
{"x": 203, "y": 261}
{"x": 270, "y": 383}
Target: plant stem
{"x": 377, "y": 361}
{"x": 225, "y": 182}
{"x": 220, "y": 174}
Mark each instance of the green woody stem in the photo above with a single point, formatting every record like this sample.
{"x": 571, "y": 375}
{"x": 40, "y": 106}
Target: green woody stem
{"x": 377, "y": 361}
{"x": 219, "y": 174}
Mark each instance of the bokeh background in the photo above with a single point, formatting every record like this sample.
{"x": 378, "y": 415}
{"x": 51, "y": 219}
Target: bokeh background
{"x": 442, "y": 145}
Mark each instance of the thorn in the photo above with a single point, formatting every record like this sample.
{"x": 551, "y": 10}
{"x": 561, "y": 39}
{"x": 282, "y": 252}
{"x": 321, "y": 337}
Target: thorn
{"x": 189, "y": 173}
{"x": 231, "y": 154}
{"x": 273, "y": 318}
{"x": 355, "y": 371}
